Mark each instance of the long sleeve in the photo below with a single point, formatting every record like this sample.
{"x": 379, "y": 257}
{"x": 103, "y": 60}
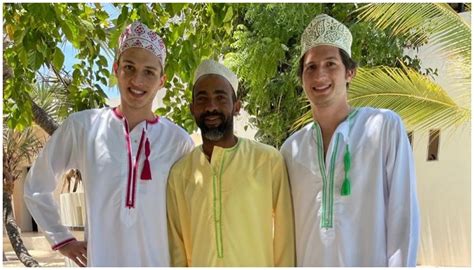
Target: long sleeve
{"x": 58, "y": 155}
{"x": 175, "y": 230}
{"x": 402, "y": 211}
{"x": 284, "y": 234}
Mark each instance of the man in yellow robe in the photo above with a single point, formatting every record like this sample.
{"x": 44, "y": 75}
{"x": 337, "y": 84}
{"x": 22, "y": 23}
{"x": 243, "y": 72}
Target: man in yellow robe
{"x": 228, "y": 201}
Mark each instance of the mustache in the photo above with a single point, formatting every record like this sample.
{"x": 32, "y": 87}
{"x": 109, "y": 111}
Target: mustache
{"x": 213, "y": 113}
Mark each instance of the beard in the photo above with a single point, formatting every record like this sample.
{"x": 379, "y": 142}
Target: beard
{"x": 215, "y": 133}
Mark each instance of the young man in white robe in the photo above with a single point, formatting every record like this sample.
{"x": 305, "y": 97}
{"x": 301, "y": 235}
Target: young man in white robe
{"x": 124, "y": 155}
{"x": 351, "y": 170}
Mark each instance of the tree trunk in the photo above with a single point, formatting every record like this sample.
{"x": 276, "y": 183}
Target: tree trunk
{"x": 43, "y": 119}
{"x": 13, "y": 233}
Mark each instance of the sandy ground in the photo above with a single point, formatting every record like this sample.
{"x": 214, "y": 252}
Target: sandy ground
{"x": 38, "y": 247}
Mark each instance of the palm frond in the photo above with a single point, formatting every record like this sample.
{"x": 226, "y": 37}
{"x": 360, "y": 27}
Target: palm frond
{"x": 52, "y": 98}
{"x": 304, "y": 119}
{"x": 18, "y": 147}
{"x": 422, "y": 21}
{"x": 421, "y": 103}
{"x": 458, "y": 80}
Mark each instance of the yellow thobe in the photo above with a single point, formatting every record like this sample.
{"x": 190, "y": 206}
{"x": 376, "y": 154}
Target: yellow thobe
{"x": 235, "y": 210}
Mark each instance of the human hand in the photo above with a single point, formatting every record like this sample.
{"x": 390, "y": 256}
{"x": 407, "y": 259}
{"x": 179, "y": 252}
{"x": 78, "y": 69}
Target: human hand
{"x": 76, "y": 251}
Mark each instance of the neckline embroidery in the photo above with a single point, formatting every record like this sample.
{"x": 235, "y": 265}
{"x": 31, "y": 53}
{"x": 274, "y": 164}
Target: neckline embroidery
{"x": 145, "y": 175}
{"x": 120, "y": 116}
{"x": 328, "y": 180}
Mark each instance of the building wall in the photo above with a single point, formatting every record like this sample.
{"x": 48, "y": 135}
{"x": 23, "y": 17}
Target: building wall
{"x": 444, "y": 191}
{"x": 444, "y": 186}
{"x": 22, "y": 215}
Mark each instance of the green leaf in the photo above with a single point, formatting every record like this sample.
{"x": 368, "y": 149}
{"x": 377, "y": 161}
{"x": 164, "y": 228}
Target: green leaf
{"x": 76, "y": 74}
{"x": 84, "y": 94}
{"x": 420, "y": 102}
{"x": 161, "y": 111}
{"x": 112, "y": 80}
{"x": 19, "y": 34}
{"x": 42, "y": 48}
{"x": 102, "y": 60}
{"x": 122, "y": 17}
{"x": 105, "y": 72}
{"x": 98, "y": 88}
{"x": 103, "y": 80}
{"x": 66, "y": 28}
{"x": 228, "y": 15}
{"x": 58, "y": 59}
{"x": 176, "y": 8}
{"x": 29, "y": 41}
{"x": 114, "y": 37}
{"x": 102, "y": 15}
{"x": 88, "y": 25}
{"x": 38, "y": 60}
{"x": 23, "y": 56}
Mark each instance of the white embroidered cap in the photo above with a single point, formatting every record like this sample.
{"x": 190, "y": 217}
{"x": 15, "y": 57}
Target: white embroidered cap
{"x": 213, "y": 67}
{"x": 325, "y": 30}
{"x": 138, "y": 35}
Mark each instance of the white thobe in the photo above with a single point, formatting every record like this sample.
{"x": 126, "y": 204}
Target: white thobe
{"x": 126, "y": 215}
{"x": 378, "y": 223}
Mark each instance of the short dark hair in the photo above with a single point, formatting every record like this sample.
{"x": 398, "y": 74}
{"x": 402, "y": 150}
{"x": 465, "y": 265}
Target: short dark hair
{"x": 348, "y": 62}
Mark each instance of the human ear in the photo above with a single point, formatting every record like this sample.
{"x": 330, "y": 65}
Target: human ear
{"x": 237, "y": 106}
{"x": 350, "y": 74}
{"x": 115, "y": 68}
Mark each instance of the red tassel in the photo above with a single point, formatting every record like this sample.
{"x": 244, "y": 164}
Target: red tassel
{"x": 147, "y": 148}
{"x": 146, "y": 172}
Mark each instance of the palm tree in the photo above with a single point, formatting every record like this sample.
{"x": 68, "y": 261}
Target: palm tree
{"x": 51, "y": 96}
{"x": 18, "y": 147}
{"x": 21, "y": 146}
{"x": 421, "y": 102}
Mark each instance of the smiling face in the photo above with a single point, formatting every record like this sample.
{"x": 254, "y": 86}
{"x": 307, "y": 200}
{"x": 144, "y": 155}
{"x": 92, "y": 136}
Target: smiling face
{"x": 138, "y": 73}
{"x": 325, "y": 77}
{"x": 214, "y": 107}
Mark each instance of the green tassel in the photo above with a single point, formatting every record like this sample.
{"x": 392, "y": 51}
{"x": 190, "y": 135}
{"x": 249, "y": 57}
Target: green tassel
{"x": 347, "y": 160}
{"x": 346, "y": 185}
{"x": 346, "y": 188}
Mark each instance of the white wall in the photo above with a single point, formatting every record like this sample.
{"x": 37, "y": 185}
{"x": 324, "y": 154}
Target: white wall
{"x": 444, "y": 186}
{"x": 444, "y": 191}
{"x": 22, "y": 215}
